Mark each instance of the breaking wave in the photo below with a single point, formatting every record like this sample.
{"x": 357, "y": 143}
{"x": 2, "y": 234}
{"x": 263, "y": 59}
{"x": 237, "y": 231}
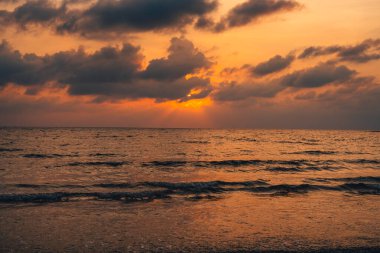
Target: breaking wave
{"x": 195, "y": 190}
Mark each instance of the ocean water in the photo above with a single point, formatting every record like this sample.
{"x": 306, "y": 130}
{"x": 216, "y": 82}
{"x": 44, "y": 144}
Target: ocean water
{"x": 192, "y": 190}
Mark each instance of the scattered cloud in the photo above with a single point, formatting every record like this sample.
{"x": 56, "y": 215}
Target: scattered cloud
{"x": 323, "y": 74}
{"x": 273, "y": 65}
{"x": 234, "y": 91}
{"x": 363, "y": 52}
{"x": 247, "y": 12}
{"x": 183, "y": 58}
{"x": 318, "y": 76}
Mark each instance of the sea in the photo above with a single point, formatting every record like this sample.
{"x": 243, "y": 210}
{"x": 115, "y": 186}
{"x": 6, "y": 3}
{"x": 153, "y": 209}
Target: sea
{"x": 189, "y": 190}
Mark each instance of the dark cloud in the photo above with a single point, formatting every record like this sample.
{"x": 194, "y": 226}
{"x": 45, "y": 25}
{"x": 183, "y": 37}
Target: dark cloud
{"x": 320, "y": 75}
{"x": 246, "y": 13}
{"x": 274, "y": 64}
{"x": 253, "y": 9}
{"x": 323, "y": 74}
{"x": 111, "y": 73}
{"x": 19, "y": 69}
{"x": 119, "y": 16}
{"x": 318, "y": 51}
{"x": 10, "y": 1}
{"x": 204, "y": 23}
{"x": 33, "y": 12}
{"x": 101, "y": 73}
{"x": 77, "y": 1}
{"x": 363, "y": 52}
{"x": 137, "y": 15}
{"x": 234, "y": 91}
{"x": 109, "y": 15}
{"x": 183, "y": 58}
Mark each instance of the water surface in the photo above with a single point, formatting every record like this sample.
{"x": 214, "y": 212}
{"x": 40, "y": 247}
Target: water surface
{"x": 118, "y": 190}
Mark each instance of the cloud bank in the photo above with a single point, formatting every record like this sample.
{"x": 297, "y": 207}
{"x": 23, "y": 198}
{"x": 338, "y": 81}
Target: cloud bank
{"x": 131, "y": 16}
{"x": 111, "y": 72}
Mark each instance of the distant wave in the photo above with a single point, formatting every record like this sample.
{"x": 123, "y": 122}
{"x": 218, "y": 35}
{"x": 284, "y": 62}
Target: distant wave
{"x": 196, "y": 142}
{"x": 175, "y": 163}
{"x": 312, "y": 143}
{"x": 196, "y": 190}
{"x": 102, "y": 154}
{"x": 46, "y": 186}
{"x": 10, "y": 149}
{"x": 368, "y": 179}
{"x": 246, "y": 139}
{"x": 302, "y": 169}
{"x": 108, "y": 163}
{"x": 43, "y": 156}
{"x": 202, "y": 163}
{"x": 300, "y": 164}
{"x": 66, "y": 196}
{"x": 314, "y": 152}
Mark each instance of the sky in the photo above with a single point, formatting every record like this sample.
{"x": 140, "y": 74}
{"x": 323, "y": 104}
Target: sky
{"x": 311, "y": 64}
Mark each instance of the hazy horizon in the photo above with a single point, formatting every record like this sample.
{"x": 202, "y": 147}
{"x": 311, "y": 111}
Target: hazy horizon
{"x": 195, "y": 128}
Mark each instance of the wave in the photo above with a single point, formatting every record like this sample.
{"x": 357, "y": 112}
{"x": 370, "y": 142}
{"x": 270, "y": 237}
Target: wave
{"x": 202, "y": 163}
{"x": 192, "y": 190}
{"x": 43, "y": 156}
{"x": 362, "y": 188}
{"x": 362, "y": 179}
{"x": 298, "y": 142}
{"x": 108, "y": 163}
{"x": 196, "y": 142}
{"x": 114, "y": 185}
{"x": 269, "y": 165}
{"x": 102, "y": 154}
{"x": 284, "y": 169}
{"x": 10, "y": 149}
{"x": 235, "y": 163}
{"x": 245, "y": 139}
{"x": 107, "y": 136}
{"x": 359, "y": 185}
{"x": 368, "y": 179}
{"x": 205, "y": 187}
{"x": 356, "y": 153}
{"x": 40, "y": 156}
{"x": 301, "y": 169}
{"x": 46, "y": 186}
{"x": 314, "y": 152}
{"x": 66, "y": 196}
{"x": 363, "y": 161}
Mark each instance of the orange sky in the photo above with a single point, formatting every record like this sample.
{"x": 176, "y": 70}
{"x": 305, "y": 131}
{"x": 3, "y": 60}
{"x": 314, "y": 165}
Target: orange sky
{"x": 315, "y": 23}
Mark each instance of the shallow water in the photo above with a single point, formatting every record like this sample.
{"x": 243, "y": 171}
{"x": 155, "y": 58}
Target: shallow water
{"x": 107, "y": 190}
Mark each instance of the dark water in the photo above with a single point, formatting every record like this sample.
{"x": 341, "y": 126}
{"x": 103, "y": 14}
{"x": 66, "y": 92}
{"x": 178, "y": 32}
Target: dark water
{"x": 121, "y": 190}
